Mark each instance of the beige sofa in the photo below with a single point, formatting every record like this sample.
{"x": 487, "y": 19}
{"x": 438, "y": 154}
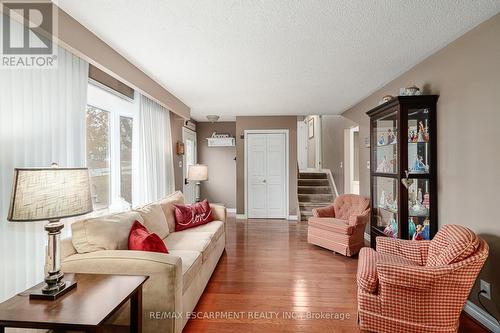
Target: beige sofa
{"x": 177, "y": 279}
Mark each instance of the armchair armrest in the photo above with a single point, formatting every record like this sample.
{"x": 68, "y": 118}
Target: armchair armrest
{"x": 415, "y": 251}
{"x": 219, "y": 212}
{"x": 324, "y": 212}
{"x": 414, "y": 277}
{"x": 161, "y": 292}
{"x": 361, "y": 219}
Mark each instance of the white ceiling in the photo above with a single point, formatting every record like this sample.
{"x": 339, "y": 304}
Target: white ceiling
{"x": 281, "y": 57}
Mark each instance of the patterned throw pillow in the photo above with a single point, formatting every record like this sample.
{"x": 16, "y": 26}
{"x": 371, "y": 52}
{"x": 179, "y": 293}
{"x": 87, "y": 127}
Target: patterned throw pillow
{"x": 189, "y": 216}
{"x": 140, "y": 239}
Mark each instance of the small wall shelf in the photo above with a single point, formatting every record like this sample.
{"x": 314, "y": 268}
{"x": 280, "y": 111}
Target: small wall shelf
{"x": 221, "y": 142}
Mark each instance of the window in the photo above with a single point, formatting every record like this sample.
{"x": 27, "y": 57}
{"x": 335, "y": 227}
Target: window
{"x": 110, "y": 147}
{"x": 98, "y": 149}
{"x": 126, "y": 125}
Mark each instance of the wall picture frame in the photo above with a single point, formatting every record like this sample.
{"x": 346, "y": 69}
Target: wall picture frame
{"x": 180, "y": 148}
{"x": 310, "y": 128}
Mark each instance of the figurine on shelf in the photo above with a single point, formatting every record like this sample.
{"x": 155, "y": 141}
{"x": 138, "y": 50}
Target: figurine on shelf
{"x": 382, "y": 203}
{"x": 392, "y": 204}
{"x": 411, "y": 226}
{"x": 391, "y": 229}
{"x": 418, "y": 209}
{"x": 421, "y": 132}
{"x": 426, "y": 135}
{"x": 426, "y": 230}
{"x": 419, "y": 195}
{"x": 418, "y": 232}
{"x": 381, "y": 140}
{"x": 419, "y": 166}
{"x": 385, "y": 166}
{"x": 391, "y": 137}
{"x": 426, "y": 201}
{"x": 410, "y": 136}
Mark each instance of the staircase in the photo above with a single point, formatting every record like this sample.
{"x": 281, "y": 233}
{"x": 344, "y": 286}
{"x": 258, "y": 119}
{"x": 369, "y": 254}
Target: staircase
{"x": 314, "y": 190}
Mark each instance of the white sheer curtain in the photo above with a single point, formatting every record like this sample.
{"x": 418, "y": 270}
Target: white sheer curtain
{"x": 42, "y": 120}
{"x": 155, "y": 165}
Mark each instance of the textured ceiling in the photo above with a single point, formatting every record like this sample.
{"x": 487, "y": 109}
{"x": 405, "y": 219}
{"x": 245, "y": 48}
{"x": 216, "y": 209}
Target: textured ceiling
{"x": 281, "y": 57}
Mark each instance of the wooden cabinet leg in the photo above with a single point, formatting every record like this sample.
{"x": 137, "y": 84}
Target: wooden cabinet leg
{"x": 136, "y": 311}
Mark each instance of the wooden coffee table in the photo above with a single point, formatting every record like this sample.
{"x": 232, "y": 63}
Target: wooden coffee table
{"x": 86, "y": 308}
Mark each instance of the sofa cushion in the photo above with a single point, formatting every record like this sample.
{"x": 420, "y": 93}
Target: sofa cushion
{"x": 192, "y": 241}
{"x": 140, "y": 239}
{"x": 367, "y": 276}
{"x": 167, "y": 205}
{"x": 191, "y": 265}
{"x": 190, "y": 216}
{"x": 154, "y": 219}
{"x": 452, "y": 243}
{"x": 331, "y": 224}
{"x": 216, "y": 228}
{"x": 108, "y": 232}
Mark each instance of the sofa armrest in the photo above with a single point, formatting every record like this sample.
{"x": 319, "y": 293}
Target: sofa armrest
{"x": 415, "y": 251}
{"x": 162, "y": 292}
{"x": 407, "y": 276}
{"x": 324, "y": 211}
{"x": 219, "y": 212}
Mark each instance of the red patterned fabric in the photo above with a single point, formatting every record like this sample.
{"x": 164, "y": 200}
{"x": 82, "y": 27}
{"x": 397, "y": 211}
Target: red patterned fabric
{"x": 413, "y": 293}
{"x": 340, "y": 227}
{"x": 189, "y": 216}
{"x": 140, "y": 239}
{"x": 460, "y": 244}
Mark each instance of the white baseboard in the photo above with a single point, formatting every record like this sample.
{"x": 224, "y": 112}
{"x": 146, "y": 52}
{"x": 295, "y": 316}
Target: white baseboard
{"x": 482, "y": 316}
{"x": 367, "y": 237}
{"x": 241, "y": 216}
{"x": 293, "y": 217}
{"x": 231, "y": 210}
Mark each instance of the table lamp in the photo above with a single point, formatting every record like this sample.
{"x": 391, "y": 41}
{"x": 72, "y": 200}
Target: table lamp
{"x": 197, "y": 173}
{"x": 50, "y": 194}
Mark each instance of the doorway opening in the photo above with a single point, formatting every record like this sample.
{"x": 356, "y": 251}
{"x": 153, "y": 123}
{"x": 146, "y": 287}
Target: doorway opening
{"x": 351, "y": 160}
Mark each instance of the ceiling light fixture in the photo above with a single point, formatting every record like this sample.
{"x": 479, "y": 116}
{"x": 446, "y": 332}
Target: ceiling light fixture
{"x": 212, "y": 118}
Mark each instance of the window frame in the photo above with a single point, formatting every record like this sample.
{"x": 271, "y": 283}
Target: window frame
{"x": 101, "y": 97}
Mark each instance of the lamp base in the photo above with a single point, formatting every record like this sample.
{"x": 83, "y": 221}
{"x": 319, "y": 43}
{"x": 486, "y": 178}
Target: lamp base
{"x": 41, "y": 292}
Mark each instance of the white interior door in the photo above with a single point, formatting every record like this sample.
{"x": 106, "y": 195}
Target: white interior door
{"x": 189, "y": 158}
{"x": 267, "y": 175}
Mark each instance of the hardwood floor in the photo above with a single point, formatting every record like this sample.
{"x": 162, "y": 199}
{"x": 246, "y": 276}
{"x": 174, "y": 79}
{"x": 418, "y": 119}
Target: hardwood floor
{"x": 268, "y": 272}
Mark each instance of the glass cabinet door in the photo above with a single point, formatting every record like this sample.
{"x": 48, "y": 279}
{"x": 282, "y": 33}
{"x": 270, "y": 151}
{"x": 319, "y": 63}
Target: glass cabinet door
{"x": 385, "y": 150}
{"x": 419, "y": 167}
{"x": 419, "y": 152}
{"x": 419, "y": 206}
{"x": 386, "y": 205}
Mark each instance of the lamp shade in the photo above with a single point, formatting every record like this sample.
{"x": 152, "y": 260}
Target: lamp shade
{"x": 49, "y": 194}
{"x": 198, "y": 172}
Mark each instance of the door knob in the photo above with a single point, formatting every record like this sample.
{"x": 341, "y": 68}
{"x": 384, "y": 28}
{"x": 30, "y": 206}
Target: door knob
{"x": 264, "y": 181}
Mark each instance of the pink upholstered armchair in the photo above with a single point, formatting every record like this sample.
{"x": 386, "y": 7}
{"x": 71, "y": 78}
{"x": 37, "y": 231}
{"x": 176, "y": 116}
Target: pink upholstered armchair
{"x": 340, "y": 227}
{"x": 418, "y": 286}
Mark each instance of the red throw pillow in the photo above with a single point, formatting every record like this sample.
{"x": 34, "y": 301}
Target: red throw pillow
{"x": 140, "y": 239}
{"x": 188, "y": 216}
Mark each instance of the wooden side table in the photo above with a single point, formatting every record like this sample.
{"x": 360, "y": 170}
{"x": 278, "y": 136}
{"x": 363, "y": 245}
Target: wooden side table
{"x": 86, "y": 308}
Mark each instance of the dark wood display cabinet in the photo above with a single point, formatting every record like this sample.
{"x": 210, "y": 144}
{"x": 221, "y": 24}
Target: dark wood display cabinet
{"x": 403, "y": 168}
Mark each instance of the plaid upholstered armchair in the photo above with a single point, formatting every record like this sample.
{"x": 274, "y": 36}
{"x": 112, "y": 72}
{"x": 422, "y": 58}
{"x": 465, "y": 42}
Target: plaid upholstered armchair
{"x": 418, "y": 286}
{"x": 340, "y": 227}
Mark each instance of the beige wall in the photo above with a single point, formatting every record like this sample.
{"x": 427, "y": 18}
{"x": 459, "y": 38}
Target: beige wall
{"x": 333, "y": 146}
{"x": 176, "y": 124}
{"x": 255, "y": 123}
{"x": 466, "y": 75}
{"x": 221, "y": 185}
